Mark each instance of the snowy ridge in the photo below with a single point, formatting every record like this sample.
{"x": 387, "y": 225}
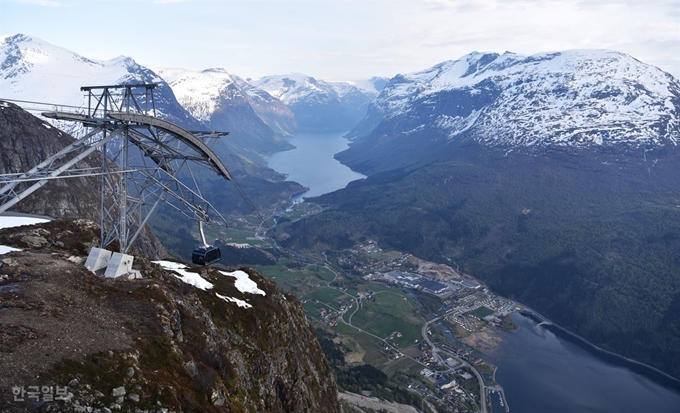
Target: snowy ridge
{"x": 34, "y": 70}
{"x": 571, "y": 98}
{"x": 200, "y": 92}
{"x": 319, "y": 105}
{"x": 296, "y": 87}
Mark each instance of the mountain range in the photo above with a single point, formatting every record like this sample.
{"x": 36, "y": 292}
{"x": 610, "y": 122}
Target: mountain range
{"x": 258, "y": 114}
{"x": 573, "y": 99}
{"x": 321, "y": 106}
{"x": 551, "y": 177}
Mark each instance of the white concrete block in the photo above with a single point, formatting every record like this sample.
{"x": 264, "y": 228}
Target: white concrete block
{"x": 97, "y": 259}
{"x": 135, "y": 275}
{"x": 120, "y": 264}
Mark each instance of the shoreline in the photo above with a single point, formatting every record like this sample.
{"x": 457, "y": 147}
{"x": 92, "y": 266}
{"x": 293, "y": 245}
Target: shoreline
{"x": 538, "y": 318}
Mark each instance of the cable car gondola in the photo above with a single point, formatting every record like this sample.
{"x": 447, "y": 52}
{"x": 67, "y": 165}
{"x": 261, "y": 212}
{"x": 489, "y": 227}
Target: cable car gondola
{"x": 206, "y": 254}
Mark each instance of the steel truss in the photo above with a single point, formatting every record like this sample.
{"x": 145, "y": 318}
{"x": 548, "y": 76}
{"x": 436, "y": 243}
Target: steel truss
{"x": 147, "y": 161}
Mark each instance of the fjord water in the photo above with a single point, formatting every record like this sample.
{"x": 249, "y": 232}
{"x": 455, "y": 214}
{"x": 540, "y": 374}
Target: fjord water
{"x": 541, "y": 370}
{"x": 545, "y": 370}
{"x": 311, "y": 163}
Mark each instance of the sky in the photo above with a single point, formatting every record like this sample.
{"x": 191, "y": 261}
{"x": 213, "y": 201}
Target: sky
{"x": 343, "y": 39}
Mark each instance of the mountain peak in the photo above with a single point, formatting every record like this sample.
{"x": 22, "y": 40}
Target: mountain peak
{"x": 15, "y": 38}
{"x": 568, "y": 98}
{"x": 215, "y": 70}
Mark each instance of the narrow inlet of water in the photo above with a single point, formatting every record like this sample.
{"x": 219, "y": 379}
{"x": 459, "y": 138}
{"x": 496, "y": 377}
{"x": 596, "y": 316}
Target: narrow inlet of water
{"x": 312, "y": 164}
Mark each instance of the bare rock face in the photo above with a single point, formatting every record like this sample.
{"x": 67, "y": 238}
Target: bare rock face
{"x": 26, "y": 141}
{"x": 154, "y": 344}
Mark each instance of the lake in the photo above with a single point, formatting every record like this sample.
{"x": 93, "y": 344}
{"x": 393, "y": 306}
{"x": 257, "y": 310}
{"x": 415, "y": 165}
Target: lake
{"x": 312, "y": 164}
{"x": 545, "y": 370}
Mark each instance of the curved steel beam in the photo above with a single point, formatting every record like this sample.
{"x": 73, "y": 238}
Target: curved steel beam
{"x": 183, "y": 134}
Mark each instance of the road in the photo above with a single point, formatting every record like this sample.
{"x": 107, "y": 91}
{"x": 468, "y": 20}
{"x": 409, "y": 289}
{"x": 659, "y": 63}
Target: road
{"x": 435, "y": 351}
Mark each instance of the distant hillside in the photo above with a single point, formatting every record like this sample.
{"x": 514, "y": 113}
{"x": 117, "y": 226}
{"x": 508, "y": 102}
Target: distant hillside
{"x": 319, "y": 106}
{"x": 575, "y": 99}
{"x": 222, "y": 103}
{"x": 551, "y": 177}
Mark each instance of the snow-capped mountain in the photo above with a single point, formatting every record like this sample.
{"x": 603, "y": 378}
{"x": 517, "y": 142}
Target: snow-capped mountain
{"x": 276, "y": 114}
{"x": 356, "y": 96}
{"x": 319, "y": 105}
{"x": 37, "y": 71}
{"x": 218, "y": 99}
{"x": 34, "y": 70}
{"x": 577, "y": 98}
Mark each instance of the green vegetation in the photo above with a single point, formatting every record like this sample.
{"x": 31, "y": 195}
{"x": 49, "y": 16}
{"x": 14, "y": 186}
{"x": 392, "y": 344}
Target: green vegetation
{"x": 387, "y": 313}
{"x": 481, "y": 312}
{"x": 365, "y": 377}
{"x": 509, "y": 325}
{"x": 591, "y": 240}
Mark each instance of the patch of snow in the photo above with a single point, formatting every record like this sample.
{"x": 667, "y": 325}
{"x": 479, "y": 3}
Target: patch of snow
{"x": 295, "y": 87}
{"x": 5, "y": 249}
{"x": 11, "y": 222}
{"x": 243, "y": 282}
{"x": 191, "y": 278}
{"x": 238, "y": 302}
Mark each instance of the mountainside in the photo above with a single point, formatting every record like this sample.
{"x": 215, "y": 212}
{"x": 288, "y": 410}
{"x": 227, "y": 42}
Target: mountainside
{"x": 177, "y": 340}
{"x": 318, "y": 106}
{"x": 219, "y": 100}
{"x": 34, "y": 70}
{"x": 553, "y": 178}
{"x": 276, "y": 114}
{"x": 357, "y": 96}
{"x": 573, "y": 99}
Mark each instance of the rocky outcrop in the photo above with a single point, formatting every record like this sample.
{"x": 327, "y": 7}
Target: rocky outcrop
{"x": 153, "y": 344}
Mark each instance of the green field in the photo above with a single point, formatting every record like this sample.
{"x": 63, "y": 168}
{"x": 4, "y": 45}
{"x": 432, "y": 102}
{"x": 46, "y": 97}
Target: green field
{"x": 481, "y": 312}
{"x": 402, "y": 365}
{"x": 321, "y": 273}
{"x": 235, "y": 236}
{"x": 298, "y": 283}
{"x": 391, "y": 311}
{"x": 344, "y": 328}
{"x": 371, "y": 346}
{"x": 312, "y": 308}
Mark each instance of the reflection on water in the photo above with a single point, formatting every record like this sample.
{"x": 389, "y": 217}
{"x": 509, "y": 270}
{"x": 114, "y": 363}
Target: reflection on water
{"x": 311, "y": 163}
{"x": 543, "y": 370}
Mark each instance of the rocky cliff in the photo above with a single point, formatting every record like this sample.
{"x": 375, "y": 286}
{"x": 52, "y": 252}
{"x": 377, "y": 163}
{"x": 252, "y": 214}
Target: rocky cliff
{"x": 176, "y": 340}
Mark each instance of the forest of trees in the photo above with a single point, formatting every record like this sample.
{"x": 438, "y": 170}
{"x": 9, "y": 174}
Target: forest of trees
{"x": 592, "y": 241}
